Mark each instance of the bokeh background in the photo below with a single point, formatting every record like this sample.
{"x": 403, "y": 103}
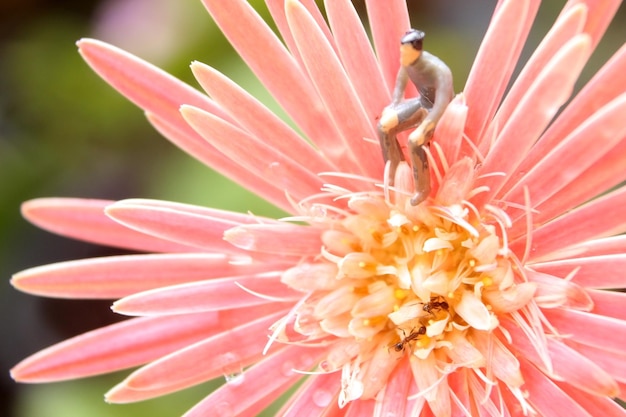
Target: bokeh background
{"x": 64, "y": 132}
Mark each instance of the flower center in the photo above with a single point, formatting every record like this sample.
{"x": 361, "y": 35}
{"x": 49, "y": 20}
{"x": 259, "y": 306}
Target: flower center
{"x": 430, "y": 281}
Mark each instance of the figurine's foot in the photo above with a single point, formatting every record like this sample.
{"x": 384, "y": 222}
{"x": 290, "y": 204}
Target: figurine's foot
{"x": 418, "y": 198}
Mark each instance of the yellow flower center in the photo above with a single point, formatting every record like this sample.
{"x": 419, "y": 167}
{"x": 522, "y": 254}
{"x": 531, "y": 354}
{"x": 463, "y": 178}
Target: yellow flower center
{"x": 430, "y": 282}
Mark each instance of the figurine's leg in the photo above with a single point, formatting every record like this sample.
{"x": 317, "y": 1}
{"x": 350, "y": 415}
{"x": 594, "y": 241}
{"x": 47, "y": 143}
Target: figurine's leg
{"x": 418, "y": 140}
{"x": 396, "y": 119}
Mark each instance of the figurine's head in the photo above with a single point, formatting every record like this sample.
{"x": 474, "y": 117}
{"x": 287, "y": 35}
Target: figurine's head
{"x": 411, "y": 46}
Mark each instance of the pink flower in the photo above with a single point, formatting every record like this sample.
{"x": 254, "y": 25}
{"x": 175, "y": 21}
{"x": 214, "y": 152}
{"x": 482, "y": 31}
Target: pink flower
{"x": 490, "y": 298}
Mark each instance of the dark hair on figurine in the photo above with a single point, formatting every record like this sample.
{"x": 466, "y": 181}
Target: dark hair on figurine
{"x": 414, "y": 37}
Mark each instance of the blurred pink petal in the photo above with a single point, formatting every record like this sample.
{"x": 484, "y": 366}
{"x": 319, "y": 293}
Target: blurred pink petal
{"x": 119, "y": 276}
{"x": 216, "y": 294}
{"x": 85, "y": 220}
{"x": 179, "y": 369}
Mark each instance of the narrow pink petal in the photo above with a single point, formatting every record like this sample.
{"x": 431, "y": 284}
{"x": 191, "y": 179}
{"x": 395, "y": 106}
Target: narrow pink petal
{"x": 118, "y": 346}
{"x": 361, "y": 408}
{"x": 393, "y": 402}
{"x": 603, "y": 271}
{"x": 586, "y": 375}
{"x": 358, "y": 57}
{"x": 574, "y": 154}
{"x": 611, "y": 361}
{"x": 595, "y": 406}
{"x": 449, "y": 133}
{"x": 459, "y": 386}
{"x": 260, "y": 158}
{"x": 602, "y": 217}
{"x": 589, "y": 329}
{"x": 314, "y": 396}
{"x": 84, "y": 219}
{"x": 567, "y": 25}
{"x": 495, "y": 62}
{"x": 546, "y": 397}
{"x": 557, "y": 292}
{"x": 222, "y": 354}
{"x": 389, "y": 20}
{"x": 609, "y": 303}
{"x": 613, "y": 245}
{"x": 257, "y": 119}
{"x": 277, "y": 10}
{"x": 192, "y": 226}
{"x": 265, "y": 379}
{"x": 119, "y": 276}
{"x": 192, "y": 143}
{"x": 211, "y": 295}
{"x": 608, "y": 83}
{"x": 333, "y": 86}
{"x": 280, "y": 74}
{"x": 600, "y": 14}
{"x": 149, "y": 87}
{"x": 549, "y": 90}
{"x": 604, "y": 174}
{"x": 281, "y": 239}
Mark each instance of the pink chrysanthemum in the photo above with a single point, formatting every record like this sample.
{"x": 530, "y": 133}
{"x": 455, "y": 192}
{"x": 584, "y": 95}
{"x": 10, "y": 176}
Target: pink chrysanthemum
{"x": 490, "y": 298}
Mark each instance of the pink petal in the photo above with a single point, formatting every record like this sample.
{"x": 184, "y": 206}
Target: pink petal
{"x": 546, "y": 397}
{"x": 586, "y": 375}
{"x": 602, "y": 217}
{"x": 119, "y": 276}
{"x": 361, "y": 408}
{"x": 280, "y": 74}
{"x": 224, "y": 353}
{"x": 612, "y": 245}
{"x": 567, "y": 25}
{"x": 277, "y": 239}
{"x": 608, "y": 303}
{"x": 358, "y": 57}
{"x": 257, "y": 119}
{"x": 263, "y": 382}
{"x": 557, "y": 292}
{"x": 84, "y": 219}
{"x": 596, "y": 406}
{"x": 589, "y": 329}
{"x": 574, "y": 154}
{"x": 389, "y": 20}
{"x": 259, "y": 158}
{"x": 604, "y": 174}
{"x": 149, "y": 87}
{"x": 119, "y": 346}
{"x": 600, "y": 14}
{"x": 277, "y": 10}
{"x": 495, "y": 62}
{"x": 549, "y": 90}
{"x": 193, "y": 144}
{"x": 338, "y": 95}
{"x": 608, "y": 83}
{"x": 212, "y": 295}
{"x": 449, "y": 133}
{"x": 604, "y": 271}
{"x": 393, "y": 402}
{"x": 312, "y": 399}
{"x": 612, "y": 362}
{"x": 193, "y": 226}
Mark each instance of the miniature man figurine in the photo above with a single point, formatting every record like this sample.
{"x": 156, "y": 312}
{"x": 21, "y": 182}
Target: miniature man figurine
{"x": 433, "y": 80}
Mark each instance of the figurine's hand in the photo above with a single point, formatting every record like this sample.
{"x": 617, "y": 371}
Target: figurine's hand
{"x": 388, "y": 119}
{"x": 422, "y": 134}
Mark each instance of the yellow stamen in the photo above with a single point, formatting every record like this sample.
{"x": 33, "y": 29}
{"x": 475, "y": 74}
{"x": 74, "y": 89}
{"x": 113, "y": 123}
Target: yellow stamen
{"x": 400, "y": 294}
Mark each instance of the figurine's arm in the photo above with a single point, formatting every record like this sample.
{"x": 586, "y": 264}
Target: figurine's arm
{"x": 400, "y": 87}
